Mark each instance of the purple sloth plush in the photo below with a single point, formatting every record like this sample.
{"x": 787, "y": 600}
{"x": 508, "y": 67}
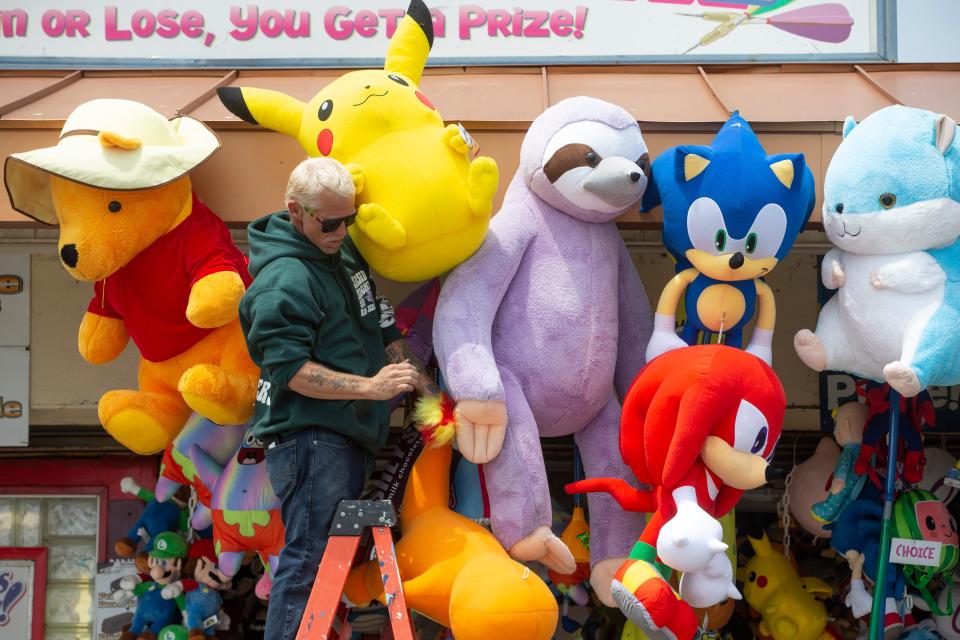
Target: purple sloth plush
{"x": 543, "y": 329}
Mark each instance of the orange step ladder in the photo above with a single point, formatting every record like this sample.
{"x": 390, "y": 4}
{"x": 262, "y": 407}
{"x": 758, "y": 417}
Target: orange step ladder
{"x": 325, "y": 617}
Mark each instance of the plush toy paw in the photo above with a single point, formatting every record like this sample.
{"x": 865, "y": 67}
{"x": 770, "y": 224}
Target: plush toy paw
{"x": 858, "y": 599}
{"x": 712, "y": 585}
{"x": 453, "y": 137}
{"x": 264, "y": 586}
{"x": 220, "y": 395}
{"x": 172, "y": 590}
{"x": 810, "y": 349}
{"x": 546, "y": 548}
{"x": 601, "y": 579}
{"x": 483, "y": 179}
{"x": 382, "y": 228}
{"x": 142, "y": 422}
{"x": 357, "y": 174}
{"x": 651, "y": 604}
{"x": 663, "y": 341}
{"x": 215, "y": 299}
{"x": 101, "y": 339}
{"x": 689, "y": 540}
{"x": 902, "y": 378}
{"x": 835, "y": 277}
{"x": 481, "y": 427}
{"x": 129, "y": 583}
{"x": 877, "y": 281}
{"x": 129, "y": 485}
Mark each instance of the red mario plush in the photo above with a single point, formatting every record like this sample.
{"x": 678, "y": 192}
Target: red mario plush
{"x": 698, "y": 427}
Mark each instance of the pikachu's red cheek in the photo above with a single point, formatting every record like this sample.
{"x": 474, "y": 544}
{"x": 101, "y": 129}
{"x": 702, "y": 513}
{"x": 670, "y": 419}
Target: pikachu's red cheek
{"x": 325, "y": 142}
{"x": 425, "y": 100}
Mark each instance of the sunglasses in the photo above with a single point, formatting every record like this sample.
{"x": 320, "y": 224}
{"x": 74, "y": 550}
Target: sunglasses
{"x": 332, "y": 224}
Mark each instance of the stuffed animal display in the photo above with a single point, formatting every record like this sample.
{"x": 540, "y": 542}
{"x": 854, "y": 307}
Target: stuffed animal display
{"x": 201, "y": 590}
{"x": 811, "y": 484}
{"x": 892, "y": 211}
{"x": 244, "y": 508}
{"x": 546, "y": 324}
{"x": 788, "y": 607}
{"x": 699, "y": 425}
{"x": 730, "y": 214}
{"x": 454, "y": 571}
{"x": 177, "y": 469}
{"x": 165, "y": 270}
{"x": 424, "y": 201}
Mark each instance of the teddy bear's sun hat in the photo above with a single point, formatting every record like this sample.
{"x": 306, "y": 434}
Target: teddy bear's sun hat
{"x": 109, "y": 144}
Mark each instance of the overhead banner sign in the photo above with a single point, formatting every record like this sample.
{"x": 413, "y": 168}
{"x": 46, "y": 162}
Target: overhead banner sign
{"x": 331, "y": 33}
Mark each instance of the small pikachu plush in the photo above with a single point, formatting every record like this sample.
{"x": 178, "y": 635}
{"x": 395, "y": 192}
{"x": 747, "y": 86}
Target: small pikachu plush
{"x": 424, "y": 200}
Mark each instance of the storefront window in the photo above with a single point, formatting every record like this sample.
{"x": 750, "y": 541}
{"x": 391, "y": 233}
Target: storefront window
{"x": 67, "y": 526}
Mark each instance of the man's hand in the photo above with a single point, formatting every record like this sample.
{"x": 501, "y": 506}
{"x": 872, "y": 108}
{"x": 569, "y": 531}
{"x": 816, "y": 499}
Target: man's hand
{"x": 481, "y": 427}
{"x": 393, "y": 380}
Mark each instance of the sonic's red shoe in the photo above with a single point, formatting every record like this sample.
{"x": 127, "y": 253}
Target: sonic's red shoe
{"x": 650, "y": 602}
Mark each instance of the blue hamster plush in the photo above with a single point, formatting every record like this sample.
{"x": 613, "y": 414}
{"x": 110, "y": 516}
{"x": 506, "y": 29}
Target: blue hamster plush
{"x": 730, "y": 214}
{"x": 892, "y": 210}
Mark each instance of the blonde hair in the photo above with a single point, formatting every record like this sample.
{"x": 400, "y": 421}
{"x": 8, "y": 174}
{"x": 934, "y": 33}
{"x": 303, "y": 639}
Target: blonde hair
{"x": 319, "y": 178}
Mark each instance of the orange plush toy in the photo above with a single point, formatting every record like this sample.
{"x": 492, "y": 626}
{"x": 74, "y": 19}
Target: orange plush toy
{"x": 698, "y": 427}
{"x": 165, "y": 270}
{"x": 454, "y": 571}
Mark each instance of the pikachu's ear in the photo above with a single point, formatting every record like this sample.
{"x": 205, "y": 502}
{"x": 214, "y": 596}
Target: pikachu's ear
{"x": 269, "y": 109}
{"x": 411, "y": 42}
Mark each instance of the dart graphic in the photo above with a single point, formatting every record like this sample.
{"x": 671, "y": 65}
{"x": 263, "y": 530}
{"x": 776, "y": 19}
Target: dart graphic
{"x": 830, "y": 22}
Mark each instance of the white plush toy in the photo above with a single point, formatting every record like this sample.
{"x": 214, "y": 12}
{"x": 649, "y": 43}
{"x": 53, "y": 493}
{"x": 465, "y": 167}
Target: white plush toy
{"x": 892, "y": 210}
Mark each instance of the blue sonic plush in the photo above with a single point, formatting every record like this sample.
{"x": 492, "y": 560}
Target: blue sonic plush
{"x": 730, "y": 214}
{"x": 892, "y": 210}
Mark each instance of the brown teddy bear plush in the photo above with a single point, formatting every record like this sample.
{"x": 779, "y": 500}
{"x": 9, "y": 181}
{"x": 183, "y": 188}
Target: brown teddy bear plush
{"x": 165, "y": 270}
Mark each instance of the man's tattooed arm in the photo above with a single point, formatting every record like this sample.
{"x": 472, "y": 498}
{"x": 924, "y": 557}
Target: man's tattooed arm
{"x": 316, "y": 381}
{"x": 399, "y": 351}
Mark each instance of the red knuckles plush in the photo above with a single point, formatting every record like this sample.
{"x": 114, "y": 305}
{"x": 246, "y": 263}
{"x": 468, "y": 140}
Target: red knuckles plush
{"x": 698, "y": 428}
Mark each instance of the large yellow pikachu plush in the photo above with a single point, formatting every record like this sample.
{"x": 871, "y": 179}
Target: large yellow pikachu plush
{"x": 423, "y": 204}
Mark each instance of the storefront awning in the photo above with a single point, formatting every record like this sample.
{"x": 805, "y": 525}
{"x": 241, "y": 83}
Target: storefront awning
{"x": 792, "y": 107}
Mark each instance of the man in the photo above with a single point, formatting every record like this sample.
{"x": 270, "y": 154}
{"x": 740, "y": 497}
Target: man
{"x": 314, "y": 326}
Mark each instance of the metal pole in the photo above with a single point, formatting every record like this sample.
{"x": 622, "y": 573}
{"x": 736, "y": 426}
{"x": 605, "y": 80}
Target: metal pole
{"x": 876, "y": 615}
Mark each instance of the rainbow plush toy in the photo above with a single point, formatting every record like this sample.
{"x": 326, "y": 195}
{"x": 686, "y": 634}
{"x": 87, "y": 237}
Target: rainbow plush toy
{"x": 177, "y": 469}
{"x": 423, "y": 204}
{"x": 730, "y": 214}
{"x": 166, "y": 273}
{"x": 245, "y": 510}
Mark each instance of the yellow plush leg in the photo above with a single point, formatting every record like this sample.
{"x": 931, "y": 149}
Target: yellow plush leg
{"x": 482, "y": 182}
{"x": 381, "y": 227}
{"x": 219, "y": 381}
{"x": 144, "y": 421}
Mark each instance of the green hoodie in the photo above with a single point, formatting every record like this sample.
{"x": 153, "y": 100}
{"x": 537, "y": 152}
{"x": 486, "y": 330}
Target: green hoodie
{"x": 308, "y": 305}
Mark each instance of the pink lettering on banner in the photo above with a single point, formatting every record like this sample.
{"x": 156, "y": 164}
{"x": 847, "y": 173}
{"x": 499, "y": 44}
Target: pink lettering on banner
{"x": 71, "y": 23}
{"x": 335, "y": 27}
{"x": 166, "y": 23}
{"x": 392, "y": 17}
{"x": 13, "y": 22}
{"x": 522, "y": 23}
{"x": 270, "y": 23}
{"x": 111, "y": 30}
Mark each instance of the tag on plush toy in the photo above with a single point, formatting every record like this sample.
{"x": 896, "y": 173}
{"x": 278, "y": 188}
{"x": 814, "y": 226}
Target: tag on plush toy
{"x": 210, "y": 622}
{"x": 471, "y": 143}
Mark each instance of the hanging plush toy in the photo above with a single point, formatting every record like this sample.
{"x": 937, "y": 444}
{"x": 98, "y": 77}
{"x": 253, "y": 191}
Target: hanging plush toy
{"x": 454, "y": 571}
{"x": 177, "y": 469}
{"x": 730, "y": 214}
{"x": 165, "y": 270}
{"x": 201, "y": 589}
{"x": 699, "y": 425}
{"x": 154, "y": 611}
{"x": 786, "y": 602}
{"x": 245, "y": 510}
{"x": 847, "y": 482}
{"x": 892, "y": 210}
{"x": 916, "y": 413}
{"x": 546, "y": 325}
{"x": 157, "y": 517}
{"x": 423, "y": 201}
{"x": 810, "y": 484}
{"x": 920, "y": 515}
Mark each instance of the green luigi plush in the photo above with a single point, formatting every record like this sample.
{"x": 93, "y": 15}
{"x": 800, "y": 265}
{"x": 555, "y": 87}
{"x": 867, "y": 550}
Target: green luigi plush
{"x": 155, "y": 612}
{"x": 173, "y": 632}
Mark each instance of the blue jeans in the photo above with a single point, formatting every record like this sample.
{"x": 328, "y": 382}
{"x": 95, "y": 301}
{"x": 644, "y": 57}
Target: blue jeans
{"x": 311, "y": 472}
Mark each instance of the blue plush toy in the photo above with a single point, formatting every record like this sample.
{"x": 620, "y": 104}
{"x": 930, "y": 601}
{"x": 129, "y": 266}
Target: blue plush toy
{"x": 156, "y": 518}
{"x": 892, "y": 210}
{"x": 730, "y": 214}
